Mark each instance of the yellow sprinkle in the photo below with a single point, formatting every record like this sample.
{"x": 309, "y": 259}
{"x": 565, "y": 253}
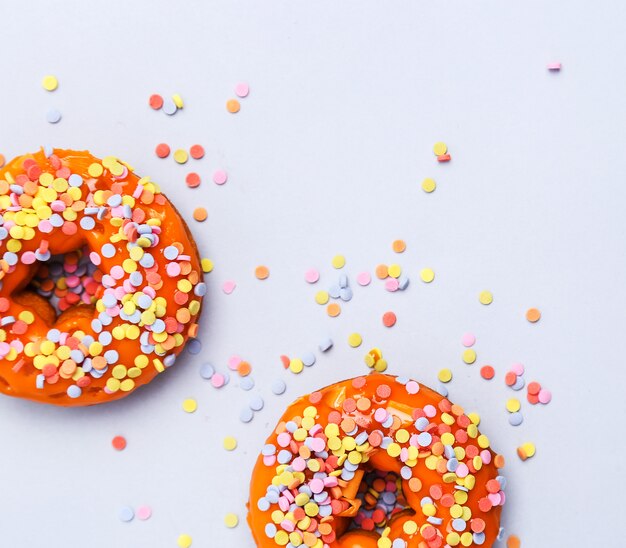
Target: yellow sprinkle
{"x": 50, "y": 83}
{"x": 429, "y": 185}
{"x": 178, "y": 100}
{"x": 180, "y": 156}
{"x": 485, "y": 297}
{"x": 469, "y": 356}
{"x": 394, "y": 270}
{"x": 184, "y": 541}
{"x": 513, "y": 405}
{"x": 321, "y": 297}
{"x": 440, "y": 148}
{"x": 445, "y": 375}
{"x": 231, "y": 520}
{"x": 94, "y": 170}
{"x": 190, "y": 405}
{"x": 380, "y": 365}
{"x": 339, "y": 261}
{"x": 427, "y": 275}
{"x": 355, "y": 340}
{"x": 230, "y": 443}
{"x": 207, "y": 265}
{"x": 383, "y": 542}
{"x": 409, "y": 527}
{"x": 296, "y": 365}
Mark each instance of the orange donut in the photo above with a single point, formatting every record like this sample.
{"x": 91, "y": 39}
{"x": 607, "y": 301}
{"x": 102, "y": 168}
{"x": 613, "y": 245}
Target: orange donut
{"x": 100, "y": 280}
{"x": 376, "y": 462}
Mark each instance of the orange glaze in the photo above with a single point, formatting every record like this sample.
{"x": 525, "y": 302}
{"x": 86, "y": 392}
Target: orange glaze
{"x": 35, "y": 366}
{"x": 336, "y": 404}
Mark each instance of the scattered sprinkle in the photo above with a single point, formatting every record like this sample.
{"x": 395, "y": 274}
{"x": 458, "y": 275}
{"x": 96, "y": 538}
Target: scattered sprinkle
{"x": 311, "y": 276}
{"x": 155, "y": 101}
{"x": 469, "y": 356}
{"x": 231, "y": 520}
{"x": 200, "y": 214}
{"x": 333, "y": 310}
{"x": 228, "y": 287}
{"x": 207, "y": 265}
{"x": 513, "y": 542}
{"x": 190, "y": 405}
{"x": 440, "y": 148}
{"x": 192, "y": 180}
{"x": 389, "y": 319}
{"x": 363, "y": 278}
{"x": 555, "y": 67}
{"x": 279, "y": 387}
{"x": 162, "y": 150}
{"x": 399, "y": 246}
{"x": 196, "y": 152}
{"x": 261, "y": 272}
{"x": 242, "y": 90}
{"x": 220, "y": 177}
{"x": 487, "y": 372}
{"x": 50, "y": 83}
{"x": 338, "y": 261}
{"x": 119, "y": 443}
{"x": 485, "y": 297}
{"x": 468, "y": 339}
{"x": 233, "y": 106}
{"x": 229, "y": 443}
{"x": 355, "y": 340}
{"x": 533, "y": 315}
{"x": 445, "y": 375}
{"x": 526, "y": 451}
{"x": 126, "y": 514}
{"x": 427, "y": 275}
{"x": 53, "y": 116}
{"x": 428, "y": 185}
{"x": 325, "y": 345}
{"x": 181, "y": 156}
{"x": 144, "y": 512}
{"x": 184, "y": 541}
{"x": 178, "y": 100}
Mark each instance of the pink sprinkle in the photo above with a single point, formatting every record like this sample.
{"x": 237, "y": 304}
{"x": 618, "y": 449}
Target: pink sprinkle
{"x": 298, "y": 464}
{"x": 485, "y": 456}
{"x": 316, "y": 485}
{"x": 45, "y": 226}
{"x": 172, "y": 269}
{"x": 545, "y": 396}
{"x": 218, "y": 380}
{"x": 228, "y": 287}
{"x": 468, "y": 339}
{"x": 287, "y": 525}
{"x": 380, "y": 415}
{"x": 392, "y": 284}
{"x": 311, "y": 276}
{"x": 331, "y": 481}
{"x": 69, "y": 228}
{"x": 318, "y": 445}
{"x": 518, "y": 369}
{"x": 220, "y": 177}
{"x": 412, "y": 387}
{"x": 143, "y": 512}
{"x": 363, "y": 278}
{"x": 95, "y": 258}
{"x": 283, "y": 439}
{"x": 28, "y": 257}
{"x": 242, "y": 89}
{"x": 269, "y": 460}
{"x": 430, "y": 411}
{"x": 554, "y": 66}
{"x": 233, "y": 362}
{"x": 462, "y": 470}
{"x": 359, "y": 382}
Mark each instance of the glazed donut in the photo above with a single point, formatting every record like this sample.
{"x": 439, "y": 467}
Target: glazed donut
{"x": 100, "y": 280}
{"x": 376, "y": 462}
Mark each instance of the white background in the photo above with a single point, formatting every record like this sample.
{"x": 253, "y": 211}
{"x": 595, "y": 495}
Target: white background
{"x": 325, "y": 157}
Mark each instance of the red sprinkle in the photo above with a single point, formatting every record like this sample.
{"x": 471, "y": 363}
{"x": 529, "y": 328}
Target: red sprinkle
{"x": 156, "y": 101}
{"x": 196, "y": 152}
{"x": 162, "y": 150}
{"x": 119, "y": 443}
{"x": 389, "y": 319}
{"x": 192, "y": 179}
{"x": 487, "y": 372}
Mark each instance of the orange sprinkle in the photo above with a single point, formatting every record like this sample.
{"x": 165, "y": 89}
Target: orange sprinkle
{"x": 382, "y": 271}
{"x": 232, "y": 105}
{"x": 398, "y": 246}
{"x": 533, "y": 315}
{"x": 2, "y": 160}
{"x": 200, "y": 214}
{"x": 244, "y": 369}
{"x": 513, "y": 542}
{"x": 261, "y": 272}
{"x": 333, "y": 310}
{"x": 389, "y": 319}
{"x": 498, "y": 460}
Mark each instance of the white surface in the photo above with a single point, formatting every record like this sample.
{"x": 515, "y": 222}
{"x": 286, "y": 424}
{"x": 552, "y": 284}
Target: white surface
{"x": 325, "y": 157}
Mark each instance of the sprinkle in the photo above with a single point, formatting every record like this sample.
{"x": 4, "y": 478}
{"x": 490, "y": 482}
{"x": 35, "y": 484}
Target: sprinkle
{"x": 196, "y": 152}
{"x": 338, "y": 261}
{"x": 440, "y": 148}
{"x": 246, "y": 415}
{"x": 229, "y": 443}
{"x": 192, "y": 180}
{"x": 526, "y": 451}
{"x": 220, "y": 177}
{"x": 428, "y": 185}
{"x": 515, "y": 419}
{"x": 279, "y": 387}
{"x": 308, "y": 359}
{"x": 119, "y": 443}
{"x": 554, "y": 66}
{"x": 242, "y": 89}
{"x": 144, "y": 512}
{"x": 126, "y": 514}
{"x": 444, "y": 158}
{"x": 184, "y": 541}
{"x": 181, "y": 156}
{"x": 513, "y": 405}
{"x": 218, "y": 380}
{"x": 228, "y": 287}
{"x": 469, "y": 356}
{"x": 399, "y": 246}
{"x": 231, "y": 520}
{"x": 169, "y": 107}
{"x": 207, "y": 265}
{"x": 513, "y": 542}
{"x": 389, "y": 319}
{"x": 2, "y": 160}
{"x": 50, "y": 83}
{"x": 445, "y": 375}
{"x": 232, "y": 106}
{"x": 155, "y": 101}
{"x": 487, "y": 372}
{"x": 53, "y": 116}
{"x": 533, "y": 315}
{"x": 311, "y": 276}
{"x": 325, "y": 345}
{"x": 200, "y": 214}
{"x": 468, "y": 339}
{"x": 190, "y": 405}
{"x": 427, "y": 275}
{"x": 178, "y": 100}
{"x": 363, "y": 278}
{"x": 355, "y": 340}
{"x": 296, "y": 365}
{"x": 485, "y": 297}
{"x": 261, "y": 272}
{"x": 333, "y": 310}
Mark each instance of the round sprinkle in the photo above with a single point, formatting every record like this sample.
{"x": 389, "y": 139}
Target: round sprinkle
{"x": 184, "y": 541}
{"x": 339, "y": 261}
{"x": 333, "y": 310}
{"x": 242, "y": 89}
{"x": 220, "y": 177}
{"x": 428, "y": 185}
{"x": 279, "y": 387}
{"x": 533, "y": 315}
{"x": 513, "y": 542}
{"x": 196, "y": 152}
{"x": 50, "y": 83}
{"x": 485, "y": 297}
{"x": 119, "y": 443}
{"x": 427, "y": 275}
{"x": 244, "y": 368}
{"x": 296, "y": 365}
{"x": 355, "y": 340}
{"x": 53, "y": 116}
{"x": 2, "y": 160}
{"x": 513, "y": 405}
{"x": 398, "y": 246}
{"x": 162, "y": 150}
{"x": 261, "y": 272}
{"x": 246, "y": 415}
{"x": 468, "y": 339}
{"x": 518, "y": 369}
{"x": 469, "y": 356}
{"x": 440, "y": 148}
{"x": 192, "y": 180}
{"x": 515, "y": 419}
{"x": 207, "y": 265}
{"x": 181, "y": 156}
{"x": 190, "y": 405}
{"x": 144, "y": 512}
{"x": 311, "y": 276}
{"x": 200, "y": 214}
{"x": 363, "y": 278}
{"x": 231, "y": 520}
{"x": 155, "y": 101}
{"x": 445, "y": 375}
{"x": 544, "y": 396}
{"x": 232, "y": 106}
{"x": 322, "y": 297}
{"x": 169, "y": 107}
{"x": 228, "y": 287}
{"x": 389, "y": 319}
{"x": 126, "y": 514}
{"x": 229, "y": 443}
{"x": 487, "y": 372}
{"x": 218, "y": 380}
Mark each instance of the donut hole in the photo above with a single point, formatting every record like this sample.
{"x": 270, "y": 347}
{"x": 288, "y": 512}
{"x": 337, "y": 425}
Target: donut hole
{"x": 63, "y": 285}
{"x": 381, "y": 496}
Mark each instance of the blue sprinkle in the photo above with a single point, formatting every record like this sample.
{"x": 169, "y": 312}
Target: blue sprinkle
{"x": 424, "y": 439}
{"x": 284, "y": 456}
{"x": 479, "y": 538}
{"x": 326, "y": 344}
{"x": 263, "y": 504}
{"x": 343, "y": 281}
{"x": 170, "y": 253}
{"x": 136, "y": 278}
{"x": 53, "y": 116}
{"x": 519, "y": 383}
{"x": 279, "y": 387}
{"x": 39, "y": 381}
{"x": 105, "y": 338}
{"x": 246, "y": 415}
{"x": 87, "y": 223}
{"x": 200, "y": 289}
{"x": 268, "y": 450}
{"x": 115, "y": 200}
{"x": 334, "y": 291}
{"x": 10, "y": 258}
{"x": 308, "y": 359}
{"x": 270, "y": 530}
{"x": 207, "y": 371}
{"x": 515, "y": 419}
{"x": 257, "y": 403}
{"x": 54, "y": 335}
{"x": 77, "y": 356}
{"x": 346, "y": 294}
{"x": 147, "y": 261}
{"x": 56, "y": 220}
{"x": 169, "y": 360}
{"x": 108, "y": 251}
{"x": 126, "y": 514}
{"x": 74, "y": 391}
{"x": 75, "y": 180}
{"x": 169, "y": 107}
{"x": 111, "y": 356}
{"x": 246, "y": 383}
{"x": 398, "y": 543}
{"x": 194, "y": 346}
